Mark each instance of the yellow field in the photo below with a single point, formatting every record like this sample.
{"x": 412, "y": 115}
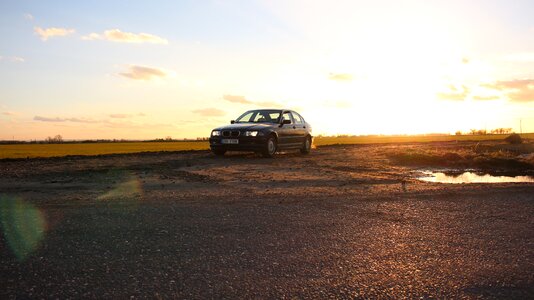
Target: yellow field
{"x": 410, "y": 139}
{"x": 52, "y": 150}
{"x": 55, "y": 150}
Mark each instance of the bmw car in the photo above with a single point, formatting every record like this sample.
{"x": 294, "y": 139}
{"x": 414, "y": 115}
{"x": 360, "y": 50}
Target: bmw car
{"x": 264, "y": 131}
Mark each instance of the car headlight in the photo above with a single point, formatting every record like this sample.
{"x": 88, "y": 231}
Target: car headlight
{"x": 251, "y": 133}
{"x": 215, "y": 133}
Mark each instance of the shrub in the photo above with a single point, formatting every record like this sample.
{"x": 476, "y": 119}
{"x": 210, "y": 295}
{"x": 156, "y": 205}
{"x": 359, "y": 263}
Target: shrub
{"x": 514, "y": 138}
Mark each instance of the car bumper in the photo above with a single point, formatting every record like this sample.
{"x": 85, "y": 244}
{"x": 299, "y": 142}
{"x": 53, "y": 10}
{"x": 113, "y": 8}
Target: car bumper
{"x": 244, "y": 144}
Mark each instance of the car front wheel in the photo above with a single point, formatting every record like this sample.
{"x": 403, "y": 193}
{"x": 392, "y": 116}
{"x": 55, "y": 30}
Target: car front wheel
{"x": 270, "y": 147}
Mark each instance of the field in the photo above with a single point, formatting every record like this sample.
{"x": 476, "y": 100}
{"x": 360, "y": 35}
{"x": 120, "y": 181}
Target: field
{"x": 411, "y": 139}
{"x": 57, "y": 150}
{"x": 344, "y": 222}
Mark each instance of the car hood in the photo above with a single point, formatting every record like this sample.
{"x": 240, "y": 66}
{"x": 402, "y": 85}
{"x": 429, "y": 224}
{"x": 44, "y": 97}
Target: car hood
{"x": 247, "y": 126}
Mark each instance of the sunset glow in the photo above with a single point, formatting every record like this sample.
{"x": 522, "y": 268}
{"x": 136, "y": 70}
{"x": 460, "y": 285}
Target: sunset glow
{"x": 101, "y": 70}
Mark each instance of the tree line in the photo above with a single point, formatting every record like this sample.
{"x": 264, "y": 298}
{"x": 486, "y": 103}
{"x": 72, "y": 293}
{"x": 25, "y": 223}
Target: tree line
{"x": 484, "y": 131}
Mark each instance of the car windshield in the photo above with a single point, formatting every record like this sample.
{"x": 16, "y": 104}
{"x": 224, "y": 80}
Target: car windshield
{"x": 260, "y": 116}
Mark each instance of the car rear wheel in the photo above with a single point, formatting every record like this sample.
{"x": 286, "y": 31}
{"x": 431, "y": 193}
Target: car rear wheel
{"x": 306, "y": 146}
{"x": 218, "y": 152}
{"x": 270, "y": 147}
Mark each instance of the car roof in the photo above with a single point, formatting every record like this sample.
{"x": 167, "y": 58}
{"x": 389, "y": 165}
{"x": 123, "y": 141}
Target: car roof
{"x": 284, "y": 109}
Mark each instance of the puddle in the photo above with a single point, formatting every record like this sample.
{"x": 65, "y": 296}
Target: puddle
{"x": 470, "y": 177}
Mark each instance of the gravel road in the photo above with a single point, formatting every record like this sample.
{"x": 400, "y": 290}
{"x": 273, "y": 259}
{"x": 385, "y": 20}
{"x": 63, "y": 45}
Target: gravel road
{"x": 342, "y": 222}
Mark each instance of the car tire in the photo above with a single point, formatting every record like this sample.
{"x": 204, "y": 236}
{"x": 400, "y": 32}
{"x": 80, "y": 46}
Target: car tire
{"x": 306, "y": 146}
{"x": 270, "y": 147}
{"x": 218, "y": 152}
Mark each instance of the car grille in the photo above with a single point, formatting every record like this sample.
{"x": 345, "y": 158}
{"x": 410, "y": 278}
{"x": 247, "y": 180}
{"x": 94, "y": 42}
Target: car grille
{"x": 232, "y": 133}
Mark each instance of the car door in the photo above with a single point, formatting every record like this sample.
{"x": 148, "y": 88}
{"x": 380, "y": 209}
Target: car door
{"x": 286, "y": 131}
{"x": 300, "y": 128}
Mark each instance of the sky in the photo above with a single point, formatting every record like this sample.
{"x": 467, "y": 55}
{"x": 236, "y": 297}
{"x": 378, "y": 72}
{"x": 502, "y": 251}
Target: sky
{"x": 152, "y": 69}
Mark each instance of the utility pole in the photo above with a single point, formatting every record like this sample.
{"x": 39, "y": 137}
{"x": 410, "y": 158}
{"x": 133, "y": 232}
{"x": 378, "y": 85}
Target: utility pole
{"x": 520, "y": 126}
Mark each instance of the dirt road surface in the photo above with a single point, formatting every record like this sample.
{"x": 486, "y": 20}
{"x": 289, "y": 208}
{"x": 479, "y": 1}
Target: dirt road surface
{"x": 342, "y": 222}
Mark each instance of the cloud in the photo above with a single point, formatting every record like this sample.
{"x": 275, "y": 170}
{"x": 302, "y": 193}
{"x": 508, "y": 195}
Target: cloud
{"x": 120, "y": 116}
{"x": 237, "y": 99}
{"x": 123, "y": 123}
{"x": 47, "y": 119}
{"x": 511, "y": 84}
{"x": 9, "y": 113}
{"x": 454, "y": 93}
{"x": 76, "y": 120}
{"x": 210, "y": 112}
{"x": 28, "y": 17}
{"x": 44, "y": 34}
{"x": 518, "y": 90}
{"x": 57, "y": 120}
{"x": 12, "y": 58}
{"x": 486, "y": 98}
{"x": 340, "y": 77}
{"x": 92, "y": 36}
{"x": 115, "y": 35}
{"x": 144, "y": 73}
{"x": 243, "y": 100}
{"x": 126, "y": 116}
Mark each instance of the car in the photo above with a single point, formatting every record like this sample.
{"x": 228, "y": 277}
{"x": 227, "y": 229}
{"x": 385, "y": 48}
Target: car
{"x": 264, "y": 131}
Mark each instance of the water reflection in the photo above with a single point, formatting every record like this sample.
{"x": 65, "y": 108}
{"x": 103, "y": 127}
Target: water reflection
{"x": 23, "y": 225}
{"x": 469, "y": 177}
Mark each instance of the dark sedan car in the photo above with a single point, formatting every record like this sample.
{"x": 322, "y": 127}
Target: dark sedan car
{"x": 263, "y": 131}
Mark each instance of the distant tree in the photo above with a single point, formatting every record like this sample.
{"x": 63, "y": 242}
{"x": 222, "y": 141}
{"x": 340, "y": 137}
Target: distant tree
{"x": 482, "y": 132}
{"x": 168, "y": 138}
{"x": 501, "y": 130}
{"x": 458, "y": 132}
{"x": 56, "y": 139}
{"x": 473, "y": 131}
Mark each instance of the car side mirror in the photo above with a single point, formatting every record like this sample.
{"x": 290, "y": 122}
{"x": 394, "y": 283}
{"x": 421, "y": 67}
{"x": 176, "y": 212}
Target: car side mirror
{"x": 232, "y": 122}
{"x": 285, "y": 121}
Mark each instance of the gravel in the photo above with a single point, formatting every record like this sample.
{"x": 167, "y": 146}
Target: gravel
{"x": 342, "y": 222}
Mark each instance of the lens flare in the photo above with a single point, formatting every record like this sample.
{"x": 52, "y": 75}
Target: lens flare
{"x": 128, "y": 188}
{"x": 23, "y": 225}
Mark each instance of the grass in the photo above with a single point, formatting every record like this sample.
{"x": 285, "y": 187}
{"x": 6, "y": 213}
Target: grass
{"x": 320, "y": 141}
{"x": 57, "y": 150}
{"x": 483, "y": 156}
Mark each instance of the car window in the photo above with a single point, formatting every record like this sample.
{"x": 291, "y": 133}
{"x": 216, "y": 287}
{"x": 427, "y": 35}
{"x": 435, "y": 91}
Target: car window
{"x": 266, "y": 117}
{"x": 297, "y": 118}
{"x": 246, "y": 117}
{"x": 275, "y": 116}
{"x": 287, "y": 116}
{"x": 260, "y": 116}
